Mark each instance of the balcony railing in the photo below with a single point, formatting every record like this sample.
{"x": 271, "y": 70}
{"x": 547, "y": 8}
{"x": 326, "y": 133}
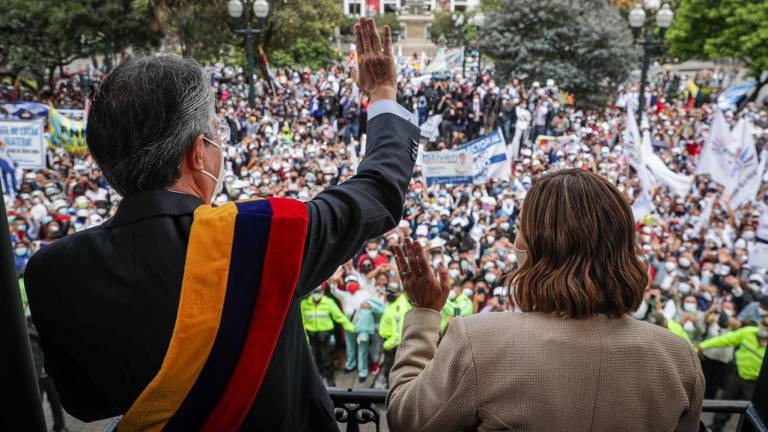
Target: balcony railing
{"x": 355, "y": 407}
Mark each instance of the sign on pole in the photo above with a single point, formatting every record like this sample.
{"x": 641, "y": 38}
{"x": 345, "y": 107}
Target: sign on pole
{"x": 448, "y": 166}
{"x": 24, "y": 142}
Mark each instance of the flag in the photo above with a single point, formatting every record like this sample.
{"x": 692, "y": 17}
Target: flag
{"x": 717, "y": 155}
{"x": 430, "y": 129}
{"x": 267, "y": 72}
{"x": 65, "y": 131}
{"x": 678, "y": 183}
{"x": 750, "y": 170}
{"x": 633, "y": 151}
{"x": 642, "y": 207}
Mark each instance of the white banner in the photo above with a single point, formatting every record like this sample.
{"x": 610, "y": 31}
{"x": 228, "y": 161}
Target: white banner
{"x": 717, "y": 156}
{"x": 448, "y": 166}
{"x": 490, "y": 154}
{"x": 633, "y": 150}
{"x": 24, "y": 141}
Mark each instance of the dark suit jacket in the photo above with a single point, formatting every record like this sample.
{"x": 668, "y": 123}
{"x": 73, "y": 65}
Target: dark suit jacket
{"x": 105, "y": 299}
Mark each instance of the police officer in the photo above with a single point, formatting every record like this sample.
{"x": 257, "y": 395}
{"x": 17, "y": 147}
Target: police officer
{"x": 391, "y": 328}
{"x": 751, "y": 343}
{"x": 319, "y": 313}
{"x": 458, "y": 304}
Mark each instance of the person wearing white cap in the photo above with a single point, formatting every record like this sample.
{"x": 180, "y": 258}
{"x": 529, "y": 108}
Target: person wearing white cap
{"x": 353, "y": 300}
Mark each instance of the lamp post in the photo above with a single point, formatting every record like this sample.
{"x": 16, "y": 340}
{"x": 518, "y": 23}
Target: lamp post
{"x": 478, "y": 21}
{"x": 260, "y": 9}
{"x": 664, "y": 18}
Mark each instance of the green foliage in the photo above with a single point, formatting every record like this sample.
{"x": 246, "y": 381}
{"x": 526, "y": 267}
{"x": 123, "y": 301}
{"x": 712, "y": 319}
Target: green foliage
{"x": 444, "y": 29}
{"x": 304, "y": 52}
{"x": 722, "y": 28}
{"x": 301, "y": 30}
{"x": 584, "y": 46}
{"x": 389, "y": 19}
{"x": 39, "y": 36}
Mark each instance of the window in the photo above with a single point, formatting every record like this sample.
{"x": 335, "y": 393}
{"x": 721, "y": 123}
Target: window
{"x": 353, "y": 9}
{"x": 390, "y": 8}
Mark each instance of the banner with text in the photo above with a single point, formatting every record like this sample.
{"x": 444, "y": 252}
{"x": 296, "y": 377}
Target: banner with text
{"x": 24, "y": 142}
{"x": 448, "y": 166}
{"x": 490, "y": 154}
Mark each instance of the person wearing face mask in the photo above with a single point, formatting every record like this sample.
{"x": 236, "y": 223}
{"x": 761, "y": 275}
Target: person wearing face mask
{"x": 391, "y": 330}
{"x": 203, "y": 269}
{"x": 459, "y": 304}
{"x": 319, "y": 313}
{"x": 576, "y": 288}
{"x": 715, "y": 362}
{"x": 373, "y": 253}
{"x": 21, "y": 256}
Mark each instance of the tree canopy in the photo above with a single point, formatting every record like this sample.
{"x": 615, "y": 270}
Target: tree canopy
{"x": 713, "y": 29}
{"x": 584, "y": 46}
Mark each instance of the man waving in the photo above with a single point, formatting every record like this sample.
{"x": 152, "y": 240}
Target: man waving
{"x": 180, "y": 315}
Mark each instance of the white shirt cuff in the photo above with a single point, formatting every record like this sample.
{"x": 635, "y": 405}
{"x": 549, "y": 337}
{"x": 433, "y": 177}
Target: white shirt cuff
{"x": 391, "y": 107}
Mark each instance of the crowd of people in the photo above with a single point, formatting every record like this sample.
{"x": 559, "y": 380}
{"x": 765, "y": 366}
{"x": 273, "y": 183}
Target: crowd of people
{"x": 307, "y": 132}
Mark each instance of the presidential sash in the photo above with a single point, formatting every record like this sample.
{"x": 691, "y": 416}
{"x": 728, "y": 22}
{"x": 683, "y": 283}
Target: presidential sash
{"x": 243, "y": 262}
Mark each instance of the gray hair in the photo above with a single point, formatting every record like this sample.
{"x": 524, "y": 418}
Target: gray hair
{"x": 144, "y": 118}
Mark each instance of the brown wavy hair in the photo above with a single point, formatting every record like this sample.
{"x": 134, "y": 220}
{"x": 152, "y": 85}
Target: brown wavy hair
{"x": 579, "y": 232}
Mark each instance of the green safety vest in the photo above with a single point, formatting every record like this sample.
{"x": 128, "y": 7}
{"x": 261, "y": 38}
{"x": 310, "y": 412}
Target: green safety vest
{"x": 749, "y": 356}
{"x": 462, "y": 302}
{"x": 319, "y": 317}
{"x": 677, "y": 329}
{"x": 391, "y": 326}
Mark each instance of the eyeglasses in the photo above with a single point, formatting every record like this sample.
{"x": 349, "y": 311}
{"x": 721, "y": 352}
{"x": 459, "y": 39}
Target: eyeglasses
{"x": 222, "y": 131}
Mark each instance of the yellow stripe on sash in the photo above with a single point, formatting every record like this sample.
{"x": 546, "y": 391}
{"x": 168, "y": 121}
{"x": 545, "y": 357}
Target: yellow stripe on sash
{"x": 201, "y": 302}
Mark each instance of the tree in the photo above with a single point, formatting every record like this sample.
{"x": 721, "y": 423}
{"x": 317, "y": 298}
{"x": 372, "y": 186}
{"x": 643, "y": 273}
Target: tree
{"x": 299, "y": 32}
{"x": 584, "y": 46}
{"x": 722, "y": 28}
{"x": 42, "y": 36}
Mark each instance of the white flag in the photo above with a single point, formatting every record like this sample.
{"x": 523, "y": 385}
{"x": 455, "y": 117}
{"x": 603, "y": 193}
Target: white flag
{"x": 642, "y": 207}
{"x": 633, "y": 150}
{"x": 717, "y": 156}
{"x": 678, "y": 183}
{"x": 750, "y": 171}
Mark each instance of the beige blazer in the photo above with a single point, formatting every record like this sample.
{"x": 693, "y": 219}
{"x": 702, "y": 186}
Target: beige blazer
{"x": 538, "y": 372}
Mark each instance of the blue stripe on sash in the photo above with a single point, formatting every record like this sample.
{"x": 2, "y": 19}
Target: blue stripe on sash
{"x": 252, "y": 226}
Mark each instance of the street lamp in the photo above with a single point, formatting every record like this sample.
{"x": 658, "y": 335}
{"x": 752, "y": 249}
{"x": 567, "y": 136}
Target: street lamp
{"x": 235, "y": 9}
{"x": 478, "y": 21}
{"x": 664, "y": 18}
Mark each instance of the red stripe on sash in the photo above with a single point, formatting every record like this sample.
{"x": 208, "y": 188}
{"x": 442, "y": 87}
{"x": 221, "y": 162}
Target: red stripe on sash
{"x": 282, "y": 264}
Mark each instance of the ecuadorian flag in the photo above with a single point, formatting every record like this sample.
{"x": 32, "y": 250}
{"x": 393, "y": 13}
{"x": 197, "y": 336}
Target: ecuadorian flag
{"x": 243, "y": 262}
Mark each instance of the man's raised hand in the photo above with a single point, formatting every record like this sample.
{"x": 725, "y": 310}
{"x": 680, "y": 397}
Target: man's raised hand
{"x": 376, "y": 74}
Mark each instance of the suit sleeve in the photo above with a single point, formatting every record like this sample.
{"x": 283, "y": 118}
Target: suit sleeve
{"x": 432, "y": 388}
{"x": 342, "y": 218}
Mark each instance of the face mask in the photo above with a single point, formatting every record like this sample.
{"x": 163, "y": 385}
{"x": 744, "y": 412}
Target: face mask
{"x": 688, "y": 326}
{"x": 454, "y": 273}
{"x": 352, "y": 288}
{"x": 505, "y": 226}
{"x": 669, "y": 266}
{"x": 729, "y": 312}
{"x": 22, "y": 227}
{"x": 520, "y": 254}
{"x": 21, "y": 252}
{"x": 53, "y": 228}
{"x": 373, "y": 253}
{"x": 436, "y": 262}
{"x": 451, "y": 295}
{"x": 468, "y": 292}
{"x": 706, "y": 277}
{"x": 490, "y": 239}
{"x": 707, "y": 296}
{"x": 391, "y": 297}
{"x": 317, "y": 296}
{"x": 490, "y": 277}
{"x": 689, "y": 307}
{"x": 684, "y": 288}
{"x": 101, "y": 211}
{"x": 220, "y": 179}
